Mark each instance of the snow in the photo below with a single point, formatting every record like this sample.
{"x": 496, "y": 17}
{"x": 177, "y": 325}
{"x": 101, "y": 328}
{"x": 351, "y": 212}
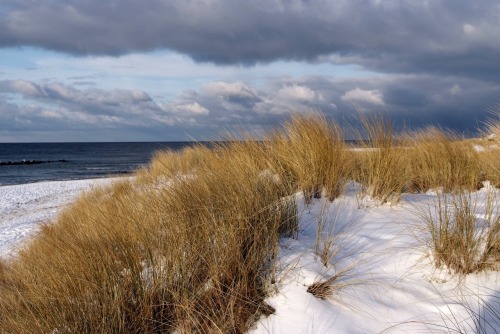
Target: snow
{"x": 383, "y": 280}
{"x": 24, "y": 207}
{"x": 490, "y": 137}
{"x": 479, "y": 148}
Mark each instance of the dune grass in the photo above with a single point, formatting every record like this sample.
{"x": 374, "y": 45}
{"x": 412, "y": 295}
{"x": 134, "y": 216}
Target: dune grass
{"x": 192, "y": 256}
{"x": 490, "y": 155}
{"x": 463, "y": 232}
{"x": 190, "y": 243}
{"x": 320, "y": 165}
{"x": 442, "y": 159}
{"x": 381, "y": 165}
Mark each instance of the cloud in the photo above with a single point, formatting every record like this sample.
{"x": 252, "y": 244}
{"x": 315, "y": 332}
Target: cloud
{"x": 48, "y": 110}
{"x": 469, "y": 29}
{"x": 407, "y": 36}
{"x": 190, "y": 108}
{"x": 25, "y": 88}
{"x": 230, "y": 89}
{"x": 286, "y": 97}
{"x": 91, "y": 106}
{"x": 235, "y": 95}
{"x": 373, "y": 97}
{"x": 455, "y": 90}
{"x": 298, "y": 93}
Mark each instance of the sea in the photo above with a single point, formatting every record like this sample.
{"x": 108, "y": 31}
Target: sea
{"x": 22, "y": 163}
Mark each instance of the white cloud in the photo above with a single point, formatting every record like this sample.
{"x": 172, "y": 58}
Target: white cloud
{"x": 299, "y": 93}
{"x": 226, "y": 89}
{"x": 360, "y": 95}
{"x": 60, "y": 90}
{"x": 139, "y": 95}
{"x": 469, "y": 29}
{"x": 191, "y": 108}
{"x": 455, "y": 90}
{"x": 124, "y": 96}
{"x": 51, "y": 114}
{"x": 289, "y": 97}
{"x": 196, "y": 108}
{"x": 25, "y": 88}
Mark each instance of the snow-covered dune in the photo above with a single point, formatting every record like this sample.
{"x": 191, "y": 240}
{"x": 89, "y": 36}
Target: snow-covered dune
{"x": 381, "y": 279}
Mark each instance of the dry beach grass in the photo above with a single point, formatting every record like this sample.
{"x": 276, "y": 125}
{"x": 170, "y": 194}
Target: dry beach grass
{"x": 190, "y": 244}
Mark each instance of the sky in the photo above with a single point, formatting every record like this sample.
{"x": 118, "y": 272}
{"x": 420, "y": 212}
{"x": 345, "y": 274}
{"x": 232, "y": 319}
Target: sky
{"x": 175, "y": 70}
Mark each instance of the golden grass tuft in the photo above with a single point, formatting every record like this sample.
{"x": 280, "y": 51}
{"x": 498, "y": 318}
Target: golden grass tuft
{"x": 493, "y": 126}
{"x": 168, "y": 163}
{"x": 490, "y": 155}
{"x": 441, "y": 159}
{"x": 490, "y": 164}
{"x": 312, "y": 153}
{"x": 323, "y": 289}
{"x": 381, "y": 163}
{"x": 463, "y": 235}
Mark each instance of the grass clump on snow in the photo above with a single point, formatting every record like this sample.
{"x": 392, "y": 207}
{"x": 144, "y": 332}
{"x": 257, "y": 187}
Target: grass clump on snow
{"x": 490, "y": 154}
{"x": 463, "y": 232}
{"x": 462, "y": 227}
{"x": 381, "y": 163}
{"x": 313, "y": 154}
{"x": 441, "y": 159}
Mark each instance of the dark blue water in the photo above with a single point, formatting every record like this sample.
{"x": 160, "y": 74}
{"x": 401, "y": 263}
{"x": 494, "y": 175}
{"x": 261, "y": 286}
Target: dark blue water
{"x": 27, "y": 163}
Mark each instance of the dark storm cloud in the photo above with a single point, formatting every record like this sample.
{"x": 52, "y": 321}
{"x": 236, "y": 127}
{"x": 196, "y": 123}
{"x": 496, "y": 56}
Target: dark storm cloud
{"x": 458, "y": 36}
